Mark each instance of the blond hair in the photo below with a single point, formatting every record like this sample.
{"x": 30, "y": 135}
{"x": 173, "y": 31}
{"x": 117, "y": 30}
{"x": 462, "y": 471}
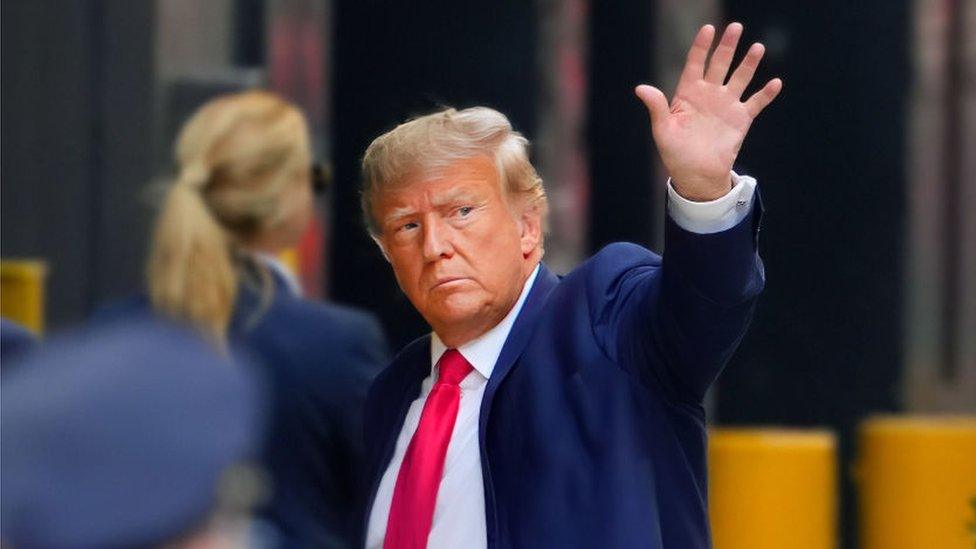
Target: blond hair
{"x": 237, "y": 157}
{"x": 431, "y": 143}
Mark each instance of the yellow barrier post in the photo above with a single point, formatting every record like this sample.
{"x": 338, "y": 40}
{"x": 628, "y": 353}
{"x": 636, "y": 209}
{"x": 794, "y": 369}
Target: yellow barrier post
{"x": 772, "y": 488}
{"x": 22, "y": 292}
{"x": 291, "y": 260}
{"x": 917, "y": 482}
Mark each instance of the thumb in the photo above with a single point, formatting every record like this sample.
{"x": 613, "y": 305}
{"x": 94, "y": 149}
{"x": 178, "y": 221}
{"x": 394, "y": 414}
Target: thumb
{"x": 655, "y": 101}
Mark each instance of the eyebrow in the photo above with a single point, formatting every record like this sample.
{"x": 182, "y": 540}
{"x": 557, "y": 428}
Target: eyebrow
{"x": 400, "y": 213}
{"x": 449, "y": 197}
{"x": 454, "y": 195}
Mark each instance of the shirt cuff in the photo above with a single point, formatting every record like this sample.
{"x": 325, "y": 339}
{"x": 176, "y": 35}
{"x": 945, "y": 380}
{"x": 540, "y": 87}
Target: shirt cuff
{"x": 716, "y": 215}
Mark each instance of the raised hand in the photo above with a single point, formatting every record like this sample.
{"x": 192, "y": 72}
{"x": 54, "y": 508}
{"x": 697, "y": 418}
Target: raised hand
{"x": 700, "y": 133}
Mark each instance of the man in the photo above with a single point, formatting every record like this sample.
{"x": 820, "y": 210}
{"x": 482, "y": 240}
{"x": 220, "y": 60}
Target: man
{"x": 546, "y": 411}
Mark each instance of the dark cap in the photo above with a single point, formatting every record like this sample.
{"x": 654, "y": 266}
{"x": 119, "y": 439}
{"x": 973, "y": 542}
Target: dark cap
{"x": 119, "y": 436}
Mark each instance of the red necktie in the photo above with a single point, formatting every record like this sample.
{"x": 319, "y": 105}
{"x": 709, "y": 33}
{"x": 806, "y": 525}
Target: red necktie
{"x": 415, "y": 494}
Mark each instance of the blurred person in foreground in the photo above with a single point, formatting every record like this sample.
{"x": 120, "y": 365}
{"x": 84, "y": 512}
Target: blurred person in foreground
{"x": 244, "y": 194}
{"x": 130, "y": 436}
{"x": 546, "y": 411}
{"x": 15, "y": 340}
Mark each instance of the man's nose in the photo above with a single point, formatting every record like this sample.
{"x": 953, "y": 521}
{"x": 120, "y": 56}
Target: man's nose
{"x": 437, "y": 240}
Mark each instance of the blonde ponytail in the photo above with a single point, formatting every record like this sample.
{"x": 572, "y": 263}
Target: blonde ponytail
{"x": 191, "y": 272}
{"x": 239, "y": 156}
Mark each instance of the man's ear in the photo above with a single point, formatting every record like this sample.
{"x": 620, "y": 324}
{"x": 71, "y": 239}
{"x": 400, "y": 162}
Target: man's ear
{"x": 379, "y": 243}
{"x": 531, "y": 229}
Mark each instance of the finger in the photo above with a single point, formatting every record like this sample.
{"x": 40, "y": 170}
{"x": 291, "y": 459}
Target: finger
{"x": 655, "y": 101}
{"x": 746, "y": 70}
{"x": 718, "y": 67}
{"x": 697, "y": 54}
{"x": 764, "y": 97}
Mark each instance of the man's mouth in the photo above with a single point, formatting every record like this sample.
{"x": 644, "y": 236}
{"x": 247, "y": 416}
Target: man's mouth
{"x": 448, "y": 282}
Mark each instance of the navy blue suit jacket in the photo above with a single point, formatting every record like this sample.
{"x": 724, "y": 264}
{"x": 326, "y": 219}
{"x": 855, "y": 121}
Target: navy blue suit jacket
{"x": 592, "y": 428}
{"x": 320, "y": 360}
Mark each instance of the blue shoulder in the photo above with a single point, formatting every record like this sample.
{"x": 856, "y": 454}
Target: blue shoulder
{"x": 615, "y": 282}
{"x": 618, "y": 257}
{"x": 124, "y": 309}
{"x": 332, "y": 329}
{"x": 602, "y": 274}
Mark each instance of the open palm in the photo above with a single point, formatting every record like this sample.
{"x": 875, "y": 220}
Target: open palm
{"x": 700, "y": 132}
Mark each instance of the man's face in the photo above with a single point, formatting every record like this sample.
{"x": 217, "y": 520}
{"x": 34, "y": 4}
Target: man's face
{"x": 459, "y": 249}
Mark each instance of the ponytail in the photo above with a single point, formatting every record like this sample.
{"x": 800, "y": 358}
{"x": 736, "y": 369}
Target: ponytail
{"x": 239, "y": 156}
{"x": 191, "y": 274}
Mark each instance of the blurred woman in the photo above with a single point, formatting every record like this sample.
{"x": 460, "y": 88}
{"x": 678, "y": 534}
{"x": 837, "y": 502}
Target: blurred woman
{"x": 243, "y": 194}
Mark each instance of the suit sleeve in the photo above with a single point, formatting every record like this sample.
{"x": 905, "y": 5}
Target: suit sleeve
{"x": 676, "y": 322}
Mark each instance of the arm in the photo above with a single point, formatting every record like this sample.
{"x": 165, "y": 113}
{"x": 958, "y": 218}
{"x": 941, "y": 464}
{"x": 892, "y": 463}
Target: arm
{"x": 675, "y": 324}
{"x": 681, "y": 322}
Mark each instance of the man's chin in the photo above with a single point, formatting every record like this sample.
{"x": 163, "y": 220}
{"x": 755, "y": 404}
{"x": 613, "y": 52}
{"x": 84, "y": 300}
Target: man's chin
{"x": 458, "y": 310}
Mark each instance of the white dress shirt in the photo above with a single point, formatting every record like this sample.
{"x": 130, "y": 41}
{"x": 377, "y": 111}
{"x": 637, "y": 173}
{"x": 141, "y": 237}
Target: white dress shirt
{"x": 459, "y": 513}
{"x": 717, "y": 215}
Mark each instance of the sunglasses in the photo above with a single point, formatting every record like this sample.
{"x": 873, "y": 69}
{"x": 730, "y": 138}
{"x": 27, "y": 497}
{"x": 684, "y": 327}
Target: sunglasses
{"x": 321, "y": 175}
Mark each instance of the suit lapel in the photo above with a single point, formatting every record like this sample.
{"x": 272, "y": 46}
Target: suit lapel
{"x": 518, "y": 338}
{"x": 414, "y": 366}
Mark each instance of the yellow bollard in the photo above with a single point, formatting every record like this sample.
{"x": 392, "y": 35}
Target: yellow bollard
{"x": 917, "y": 482}
{"x": 291, "y": 260}
{"x": 22, "y": 292}
{"x": 772, "y": 488}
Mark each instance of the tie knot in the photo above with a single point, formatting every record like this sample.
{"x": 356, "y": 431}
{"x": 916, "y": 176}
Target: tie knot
{"x": 453, "y": 367}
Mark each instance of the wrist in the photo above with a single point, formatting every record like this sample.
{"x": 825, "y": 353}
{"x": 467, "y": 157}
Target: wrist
{"x": 702, "y": 189}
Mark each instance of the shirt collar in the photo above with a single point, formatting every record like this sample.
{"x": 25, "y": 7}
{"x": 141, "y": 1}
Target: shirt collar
{"x": 279, "y": 268}
{"x": 483, "y": 352}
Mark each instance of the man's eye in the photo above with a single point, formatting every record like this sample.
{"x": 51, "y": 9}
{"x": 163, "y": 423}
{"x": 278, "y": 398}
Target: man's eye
{"x": 465, "y": 210}
{"x": 408, "y": 226}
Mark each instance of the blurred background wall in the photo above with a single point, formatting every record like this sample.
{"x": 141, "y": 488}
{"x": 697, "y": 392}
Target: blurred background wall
{"x": 77, "y": 121}
{"x": 865, "y": 161}
{"x": 826, "y": 345}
